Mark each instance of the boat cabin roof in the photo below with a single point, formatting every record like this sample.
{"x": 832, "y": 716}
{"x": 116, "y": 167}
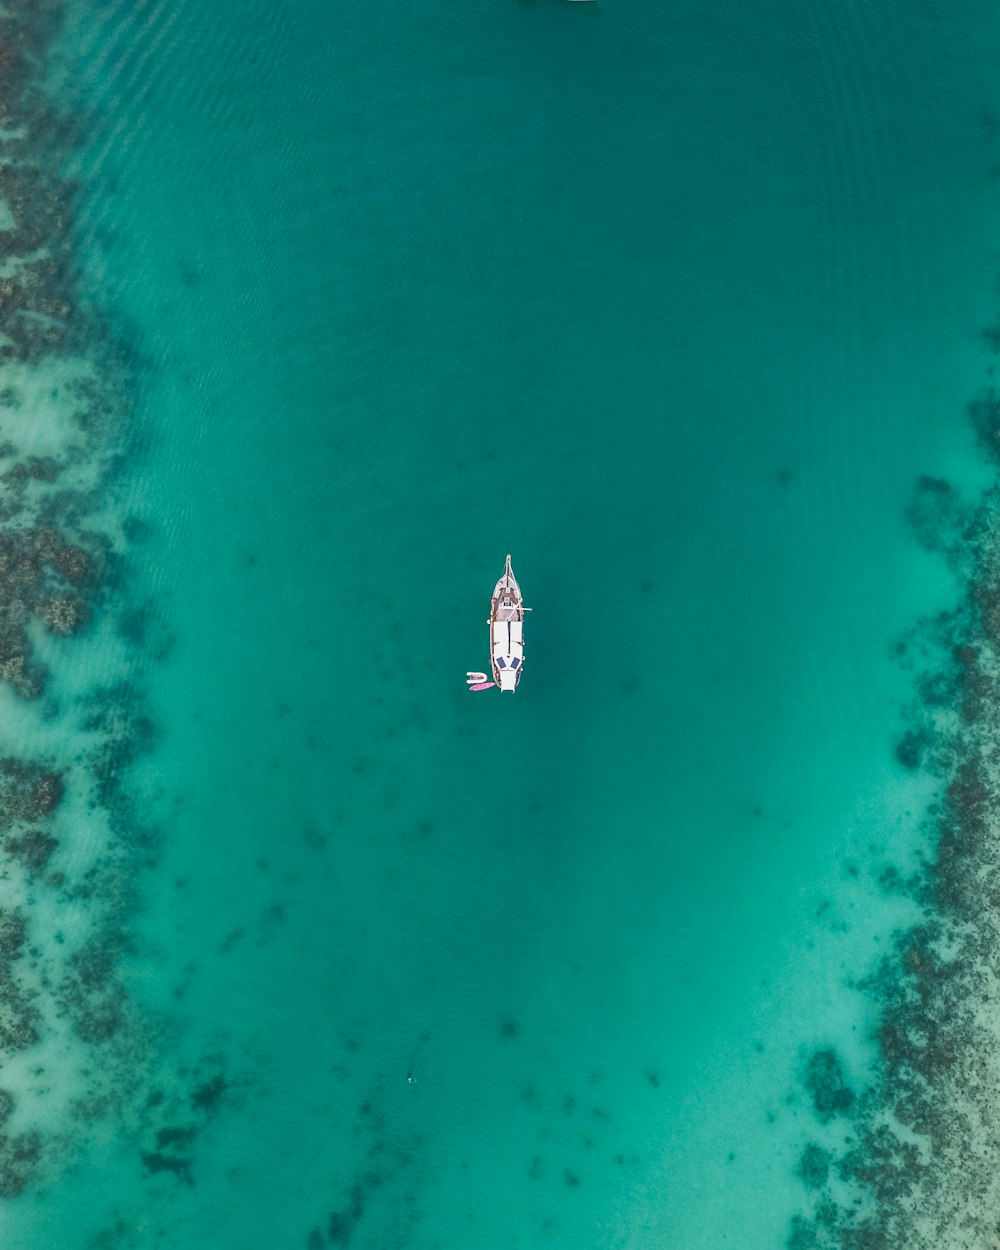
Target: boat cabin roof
{"x": 508, "y": 638}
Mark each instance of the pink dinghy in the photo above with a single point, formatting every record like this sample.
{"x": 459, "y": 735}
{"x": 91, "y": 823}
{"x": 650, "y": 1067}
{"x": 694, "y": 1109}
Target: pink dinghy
{"x": 478, "y": 681}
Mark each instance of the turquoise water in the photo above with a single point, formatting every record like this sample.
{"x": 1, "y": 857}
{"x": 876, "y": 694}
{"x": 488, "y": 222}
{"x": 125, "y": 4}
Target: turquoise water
{"x": 675, "y": 305}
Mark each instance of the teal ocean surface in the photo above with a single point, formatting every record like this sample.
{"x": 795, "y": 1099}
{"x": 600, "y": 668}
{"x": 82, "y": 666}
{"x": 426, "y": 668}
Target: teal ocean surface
{"x": 677, "y": 304}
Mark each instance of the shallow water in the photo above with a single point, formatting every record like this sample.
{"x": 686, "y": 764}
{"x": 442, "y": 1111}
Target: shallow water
{"x": 676, "y": 307}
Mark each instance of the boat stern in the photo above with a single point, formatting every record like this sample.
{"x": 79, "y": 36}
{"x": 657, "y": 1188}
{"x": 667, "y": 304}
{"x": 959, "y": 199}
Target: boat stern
{"x": 508, "y": 680}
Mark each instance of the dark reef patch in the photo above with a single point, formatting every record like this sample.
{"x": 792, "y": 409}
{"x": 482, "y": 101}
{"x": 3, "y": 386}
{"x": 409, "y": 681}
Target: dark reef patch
{"x": 824, "y": 1080}
{"x": 814, "y": 1166}
{"x": 509, "y": 1028}
{"x": 41, "y": 578}
{"x": 172, "y": 1137}
{"x": 912, "y": 748}
{"x": 935, "y": 515}
{"x": 93, "y": 992}
{"x": 154, "y": 1162}
{"x": 28, "y": 792}
{"x": 122, "y": 733}
{"x": 19, "y": 1016}
{"x": 34, "y": 849}
{"x": 20, "y": 1157}
{"x": 341, "y": 1225}
{"x": 208, "y": 1096}
{"x": 387, "y": 1162}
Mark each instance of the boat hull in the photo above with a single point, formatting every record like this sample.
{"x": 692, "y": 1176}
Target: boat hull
{"x": 507, "y": 631}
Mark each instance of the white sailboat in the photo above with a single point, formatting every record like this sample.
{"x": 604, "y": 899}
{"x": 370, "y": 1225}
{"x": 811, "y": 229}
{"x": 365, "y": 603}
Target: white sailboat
{"x": 506, "y": 636}
{"x": 507, "y": 631}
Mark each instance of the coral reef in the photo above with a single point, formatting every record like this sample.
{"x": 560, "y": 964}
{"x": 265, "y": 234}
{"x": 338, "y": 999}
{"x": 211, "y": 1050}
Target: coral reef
{"x": 70, "y": 841}
{"x": 921, "y": 1167}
